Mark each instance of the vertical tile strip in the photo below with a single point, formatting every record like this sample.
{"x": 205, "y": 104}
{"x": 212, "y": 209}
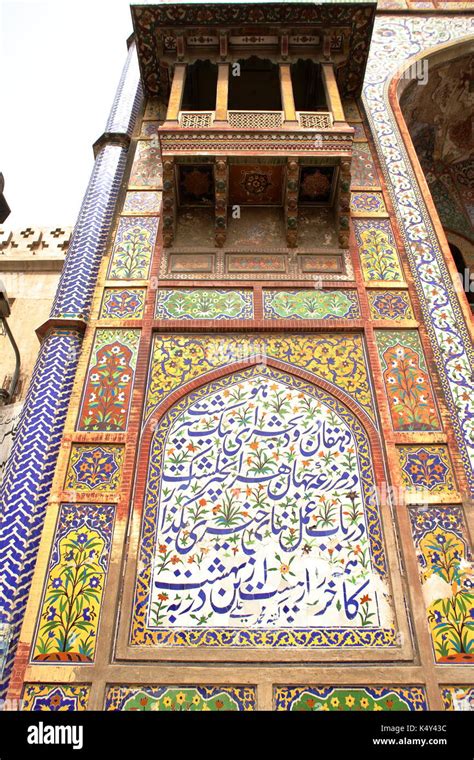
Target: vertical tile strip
{"x": 29, "y": 473}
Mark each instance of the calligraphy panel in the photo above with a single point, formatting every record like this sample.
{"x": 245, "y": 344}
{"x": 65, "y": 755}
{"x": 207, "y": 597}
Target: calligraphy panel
{"x": 260, "y": 526}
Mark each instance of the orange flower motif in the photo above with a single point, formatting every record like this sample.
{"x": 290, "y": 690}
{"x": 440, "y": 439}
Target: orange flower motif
{"x": 175, "y": 559}
{"x": 254, "y": 445}
{"x": 216, "y": 509}
{"x": 202, "y": 502}
{"x": 163, "y": 597}
{"x": 364, "y": 599}
{"x": 162, "y": 548}
{"x": 191, "y": 447}
{"x": 219, "y": 704}
{"x": 284, "y": 569}
{"x": 191, "y": 559}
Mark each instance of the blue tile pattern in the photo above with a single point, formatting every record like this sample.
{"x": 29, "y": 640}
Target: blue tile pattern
{"x": 30, "y": 469}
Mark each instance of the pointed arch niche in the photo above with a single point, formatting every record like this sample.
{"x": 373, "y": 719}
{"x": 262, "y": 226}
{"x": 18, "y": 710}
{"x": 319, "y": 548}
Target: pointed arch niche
{"x": 260, "y": 528}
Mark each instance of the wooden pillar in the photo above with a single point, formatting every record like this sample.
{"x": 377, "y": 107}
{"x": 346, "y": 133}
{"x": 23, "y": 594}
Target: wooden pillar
{"x": 291, "y": 202}
{"x": 222, "y": 93}
{"x": 287, "y": 98}
{"x": 331, "y": 91}
{"x": 169, "y": 202}
{"x": 176, "y": 94}
{"x": 221, "y": 178}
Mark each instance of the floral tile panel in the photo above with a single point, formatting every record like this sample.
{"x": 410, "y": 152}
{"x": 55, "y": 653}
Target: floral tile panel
{"x": 352, "y": 699}
{"x": 310, "y": 304}
{"x": 70, "y": 610}
{"x": 203, "y": 303}
{"x": 181, "y": 698}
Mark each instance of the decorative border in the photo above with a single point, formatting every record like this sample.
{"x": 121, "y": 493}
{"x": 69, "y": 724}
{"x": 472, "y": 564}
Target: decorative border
{"x": 395, "y": 41}
{"x": 350, "y": 698}
{"x": 181, "y": 698}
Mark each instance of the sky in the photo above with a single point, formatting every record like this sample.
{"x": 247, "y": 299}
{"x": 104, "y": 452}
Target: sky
{"x": 60, "y": 64}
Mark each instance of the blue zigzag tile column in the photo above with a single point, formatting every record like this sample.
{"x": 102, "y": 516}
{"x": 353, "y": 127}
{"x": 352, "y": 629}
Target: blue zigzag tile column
{"x": 30, "y": 468}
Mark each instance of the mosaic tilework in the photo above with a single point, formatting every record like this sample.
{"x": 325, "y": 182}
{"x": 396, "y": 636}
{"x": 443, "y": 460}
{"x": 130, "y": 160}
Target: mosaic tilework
{"x": 377, "y": 249}
{"x": 352, "y": 699}
{"x": 142, "y": 202}
{"x": 203, "y": 303}
{"x": 149, "y": 128}
{"x": 29, "y": 474}
{"x": 181, "y": 698}
{"x": 146, "y": 169}
{"x": 368, "y": 204}
{"x": 133, "y": 248}
{"x": 310, "y": 304}
{"x": 94, "y": 468}
{"x": 407, "y": 382}
{"x": 390, "y": 304}
{"x": 458, "y": 697}
{"x": 77, "y": 574}
{"x": 278, "y": 559}
{"x": 426, "y": 468}
{"x": 447, "y": 577}
{"x": 31, "y": 465}
{"x": 394, "y": 41}
{"x": 337, "y": 358}
{"x": 363, "y": 171}
{"x": 109, "y": 381}
{"x": 55, "y": 697}
{"x": 359, "y": 131}
{"x": 123, "y": 303}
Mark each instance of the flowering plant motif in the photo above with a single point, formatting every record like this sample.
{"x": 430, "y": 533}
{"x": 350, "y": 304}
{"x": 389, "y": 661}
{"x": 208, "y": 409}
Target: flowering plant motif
{"x": 328, "y": 699}
{"x": 451, "y": 616}
{"x": 389, "y": 304}
{"x": 202, "y": 303}
{"x": 123, "y": 303}
{"x": 183, "y": 699}
{"x": 109, "y": 384}
{"x": 133, "y": 248}
{"x": 94, "y": 468}
{"x": 412, "y": 404}
{"x": 377, "y": 250}
{"x": 69, "y": 615}
{"x": 55, "y": 698}
{"x": 426, "y": 467}
{"x": 310, "y": 304}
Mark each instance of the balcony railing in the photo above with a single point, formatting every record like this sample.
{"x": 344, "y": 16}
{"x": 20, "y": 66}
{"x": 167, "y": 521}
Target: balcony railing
{"x": 256, "y": 119}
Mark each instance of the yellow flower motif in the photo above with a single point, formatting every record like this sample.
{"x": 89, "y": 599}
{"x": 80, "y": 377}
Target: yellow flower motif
{"x": 350, "y": 700}
{"x": 377, "y": 708}
{"x": 364, "y": 703}
{"x": 167, "y": 702}
{"x": 196, "y": 699}
{"x": 335, "y": 702}
{"x": 325, "y": 707}
{"x": 205, "y": 708}
{"x": 180, "y": 698}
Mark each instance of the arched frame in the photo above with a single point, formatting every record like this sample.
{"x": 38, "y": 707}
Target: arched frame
{"x": 395, "y": 645}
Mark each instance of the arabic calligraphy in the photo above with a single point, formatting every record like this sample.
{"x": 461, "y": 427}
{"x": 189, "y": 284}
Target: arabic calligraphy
{"x": 261, "y": 520}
